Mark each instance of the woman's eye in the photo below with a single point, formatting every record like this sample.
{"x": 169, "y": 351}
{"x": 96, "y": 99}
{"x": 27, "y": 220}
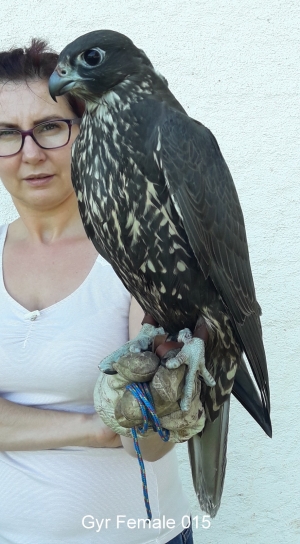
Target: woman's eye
{"x": 48, "y": 126}
{"x": 8, "y": 133}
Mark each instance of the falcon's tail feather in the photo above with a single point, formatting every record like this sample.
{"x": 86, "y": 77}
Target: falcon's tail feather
{"x": 208, "y": 452}
{"x": 208, "y": 461}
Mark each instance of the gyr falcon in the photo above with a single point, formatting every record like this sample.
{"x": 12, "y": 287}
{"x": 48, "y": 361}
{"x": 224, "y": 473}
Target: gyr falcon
{"x": 158, "y": 201}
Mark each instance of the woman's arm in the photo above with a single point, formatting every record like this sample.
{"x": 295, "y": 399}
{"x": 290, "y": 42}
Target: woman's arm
{"x": 152, "y": 448}
{"x": 136, "y": 315}
{"x": 26, "y": 428}
{"x": 23, "y": 428}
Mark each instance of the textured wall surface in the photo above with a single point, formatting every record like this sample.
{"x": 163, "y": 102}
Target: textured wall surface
{"x": 235, "y": 66}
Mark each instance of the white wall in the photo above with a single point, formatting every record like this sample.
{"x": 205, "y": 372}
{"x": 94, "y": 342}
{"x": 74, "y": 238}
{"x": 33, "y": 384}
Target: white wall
{"x": 234, "y": 65}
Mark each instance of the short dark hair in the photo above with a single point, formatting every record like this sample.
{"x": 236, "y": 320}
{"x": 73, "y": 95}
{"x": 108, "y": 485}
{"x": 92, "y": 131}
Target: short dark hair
{"x": 34, "y": 62}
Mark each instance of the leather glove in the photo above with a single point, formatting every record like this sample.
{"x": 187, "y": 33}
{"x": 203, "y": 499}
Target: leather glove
{"x": 120, "y": 410}
{"x": 166, "y": 386}
{"x": 110, "y": 388}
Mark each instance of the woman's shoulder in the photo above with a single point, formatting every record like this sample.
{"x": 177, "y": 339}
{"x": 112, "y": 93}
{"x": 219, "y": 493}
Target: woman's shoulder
{"x": 13, "y": 226}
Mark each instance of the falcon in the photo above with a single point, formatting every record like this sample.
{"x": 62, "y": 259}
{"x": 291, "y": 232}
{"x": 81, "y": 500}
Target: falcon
{"x": 158, "y": 201}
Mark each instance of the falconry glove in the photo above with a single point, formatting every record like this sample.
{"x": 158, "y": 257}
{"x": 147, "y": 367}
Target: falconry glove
{"x": 120, "y": 410}
{"x": 110, "y": 388}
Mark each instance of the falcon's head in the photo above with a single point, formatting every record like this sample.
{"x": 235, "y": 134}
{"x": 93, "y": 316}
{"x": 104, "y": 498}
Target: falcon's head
{"x": 95, "y": 63}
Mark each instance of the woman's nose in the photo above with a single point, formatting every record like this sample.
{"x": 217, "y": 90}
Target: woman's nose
{"x": 31, "y": 151}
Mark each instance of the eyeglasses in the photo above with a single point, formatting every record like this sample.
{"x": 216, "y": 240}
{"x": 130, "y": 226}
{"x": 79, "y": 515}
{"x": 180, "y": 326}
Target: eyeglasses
{"x": 47, "y": 135}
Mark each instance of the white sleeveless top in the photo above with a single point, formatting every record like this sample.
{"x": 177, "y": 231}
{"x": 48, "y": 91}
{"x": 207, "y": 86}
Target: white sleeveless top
{"x": 49, "y": 359}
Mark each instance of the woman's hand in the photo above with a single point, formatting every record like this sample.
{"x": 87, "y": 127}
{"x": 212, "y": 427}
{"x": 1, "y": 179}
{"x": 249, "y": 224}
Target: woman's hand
{"x": 100, "y": 436}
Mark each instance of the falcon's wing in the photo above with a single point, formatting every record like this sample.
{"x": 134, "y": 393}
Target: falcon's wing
{"x": 205, "y": 197}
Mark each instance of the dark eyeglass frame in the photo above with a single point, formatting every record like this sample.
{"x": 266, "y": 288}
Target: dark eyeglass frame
{"x": 24, "y": 133}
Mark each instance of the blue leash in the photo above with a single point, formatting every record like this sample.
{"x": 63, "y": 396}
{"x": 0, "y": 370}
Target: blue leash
{"x": 142, "y": 393}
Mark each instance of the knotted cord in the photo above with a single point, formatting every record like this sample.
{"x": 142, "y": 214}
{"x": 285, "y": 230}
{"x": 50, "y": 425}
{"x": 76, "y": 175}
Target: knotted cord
{"x": 142, "y": 393}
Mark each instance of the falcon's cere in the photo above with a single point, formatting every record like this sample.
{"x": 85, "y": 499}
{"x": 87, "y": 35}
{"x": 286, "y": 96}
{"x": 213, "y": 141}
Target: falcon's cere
{"x": 158, "y": 201}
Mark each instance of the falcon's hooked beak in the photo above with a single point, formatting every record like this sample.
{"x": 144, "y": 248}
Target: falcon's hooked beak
{"x": 62, "y": 81}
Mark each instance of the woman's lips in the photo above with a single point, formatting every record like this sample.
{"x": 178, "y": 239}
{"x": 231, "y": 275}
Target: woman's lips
{"x": 38, "y": 181}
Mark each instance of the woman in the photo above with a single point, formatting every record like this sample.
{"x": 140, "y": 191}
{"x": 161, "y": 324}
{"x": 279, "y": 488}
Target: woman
{"x": 65, "y": 476}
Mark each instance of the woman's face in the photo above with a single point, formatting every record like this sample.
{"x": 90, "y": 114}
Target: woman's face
{"x": 22, "y": 106}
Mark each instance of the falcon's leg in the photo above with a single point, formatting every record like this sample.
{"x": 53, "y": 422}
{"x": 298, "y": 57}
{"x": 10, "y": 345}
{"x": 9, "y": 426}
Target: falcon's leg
{"x": 193, "y": 355}
{"x": 139, "y": 343}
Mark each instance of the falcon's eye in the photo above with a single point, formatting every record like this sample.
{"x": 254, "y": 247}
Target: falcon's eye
{"x": 93, "y": 57}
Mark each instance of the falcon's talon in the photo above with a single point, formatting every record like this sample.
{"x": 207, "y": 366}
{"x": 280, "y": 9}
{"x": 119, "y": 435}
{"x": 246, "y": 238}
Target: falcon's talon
{"x": 135, "y": 348}
{"x": 193, "y": 355}
{"x": 139, "y": 343}
{"x": 185, "y": 336}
